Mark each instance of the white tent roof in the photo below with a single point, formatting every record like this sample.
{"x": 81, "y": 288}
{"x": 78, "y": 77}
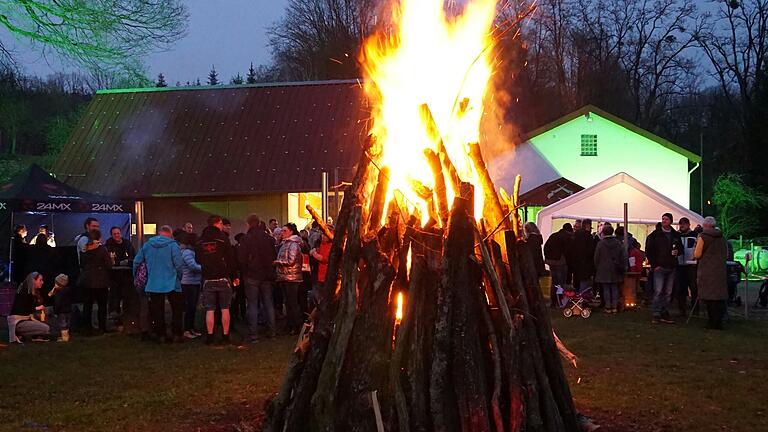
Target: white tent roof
{"x": 605, "y": 202}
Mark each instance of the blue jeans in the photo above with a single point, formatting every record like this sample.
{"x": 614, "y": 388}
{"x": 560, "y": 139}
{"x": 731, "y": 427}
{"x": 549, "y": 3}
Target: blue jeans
{"x": 259, "y": 295}
{"x": 663, "y": 284}
{"x": 611, "y": 293}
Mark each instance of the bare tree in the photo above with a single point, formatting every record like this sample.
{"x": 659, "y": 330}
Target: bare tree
{"x": 735, "y": 41}
{"x": 107, "y": 35}
{"x": 320, "y": 39}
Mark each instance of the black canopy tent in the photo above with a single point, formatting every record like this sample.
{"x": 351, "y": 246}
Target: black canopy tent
{"x": 34, "y": 198}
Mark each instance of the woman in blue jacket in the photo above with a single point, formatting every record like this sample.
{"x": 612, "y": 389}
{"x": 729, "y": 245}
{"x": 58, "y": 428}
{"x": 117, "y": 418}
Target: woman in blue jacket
{"x": 191, "y": 278}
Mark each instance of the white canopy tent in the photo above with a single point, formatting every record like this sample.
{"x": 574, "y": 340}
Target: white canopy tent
{"x": 604, "y": 202}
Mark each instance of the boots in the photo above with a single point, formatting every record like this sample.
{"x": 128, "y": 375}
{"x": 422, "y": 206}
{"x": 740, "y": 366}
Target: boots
{"x": 64, "y": 336}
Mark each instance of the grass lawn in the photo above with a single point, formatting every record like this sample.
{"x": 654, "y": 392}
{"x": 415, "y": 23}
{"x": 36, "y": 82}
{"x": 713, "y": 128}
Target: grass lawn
{"x": 632, "y": 376}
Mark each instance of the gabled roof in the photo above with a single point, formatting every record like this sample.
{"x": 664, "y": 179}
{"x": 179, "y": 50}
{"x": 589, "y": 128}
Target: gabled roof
{"x": 222, "y": 140}
{"x": 605, "y": 202}
{"x": 550, "y": 192}
{"x": 618, "y": 120}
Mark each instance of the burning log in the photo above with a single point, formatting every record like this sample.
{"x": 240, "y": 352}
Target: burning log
{"x": 493, "y": 211}
{"x": 379, "y": 199}
{"x": 441, "y": 193}
{"x": 434, "y": 135}
{"x": 320, "y": 222}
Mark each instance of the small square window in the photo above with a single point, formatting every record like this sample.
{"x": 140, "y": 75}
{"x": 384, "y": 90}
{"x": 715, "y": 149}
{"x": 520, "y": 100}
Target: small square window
{"x": 589, "y": 145}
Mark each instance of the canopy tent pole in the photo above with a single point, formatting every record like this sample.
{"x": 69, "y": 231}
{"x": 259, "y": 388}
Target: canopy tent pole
{"x": 139, "y": 210}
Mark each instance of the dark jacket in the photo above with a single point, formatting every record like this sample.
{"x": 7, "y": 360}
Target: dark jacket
{"x": 216, "y": 255}
{"x": 256, "y": 255}
{"x": 123, "y": 251}
{"x": 610, "y": 260}
{"x": 583, "y": 252}
{"x": 556, "y": 247}
{"x": 712, "y": 276}
{"x": 96, "y": 264}
{"x": 62, "y": 300}
{"x": 658, "y": 248}
{"x": 534, "y": 243}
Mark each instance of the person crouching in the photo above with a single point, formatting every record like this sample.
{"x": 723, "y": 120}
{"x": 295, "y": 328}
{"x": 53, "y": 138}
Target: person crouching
{"x": 62, "y": 305}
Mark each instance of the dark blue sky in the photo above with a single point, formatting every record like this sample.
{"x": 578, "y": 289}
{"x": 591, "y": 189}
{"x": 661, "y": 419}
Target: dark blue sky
{"x": 226, "y": 33}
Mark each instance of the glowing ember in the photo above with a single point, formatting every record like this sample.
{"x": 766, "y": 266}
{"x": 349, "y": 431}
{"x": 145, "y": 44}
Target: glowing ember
{"x": 399, "y": 310}
{"x": 440, "y": 61}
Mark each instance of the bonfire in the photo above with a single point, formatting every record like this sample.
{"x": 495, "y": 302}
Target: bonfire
{"x": 431, "y": 318}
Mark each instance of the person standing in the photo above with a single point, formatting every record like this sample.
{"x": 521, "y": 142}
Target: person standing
{"x": 217, "y": 258}
{"x": 555, "y": 253}
{"x": 82, "y": 240}
{"x": 534, "y": 241}
{"x": 685, "y": 274}
{"x": 321, "y": 254}
{"x": 256, "y": 255}
{"x": 662, "y": 247}
{"x": 191, "y": 278}
{"x": 712, "y": 252}
{"x": 121, "y": 285}
{"x": 275, "y": 229}
{"x": 62, "y": 305}
{"x": 162, "y": 257}
{"x": 610, "y": 266}
{"x": 583, "y": 248}
{"x": 289, "y": 274}
{"x": 94, "y": 280}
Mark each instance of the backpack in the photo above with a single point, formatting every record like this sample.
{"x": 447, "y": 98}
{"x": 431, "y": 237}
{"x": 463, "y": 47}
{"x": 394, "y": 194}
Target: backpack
{"x": 140, "y": 279}
{"x": 762, "y": 295}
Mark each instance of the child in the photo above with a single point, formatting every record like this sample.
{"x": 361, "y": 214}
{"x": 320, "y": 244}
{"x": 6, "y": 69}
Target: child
{"x": 62, "y": 305}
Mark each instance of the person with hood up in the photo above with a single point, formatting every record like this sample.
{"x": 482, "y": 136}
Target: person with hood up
{"x": 662, "y": 247}
{"x": 610, "y": 266}
{"x": 711, "y": 253}
{"x": 289, "y": 274}
{"x": 162, "y": 257}
{"x": 555, "y": 253}
{"x": 217, "y": 258}
{"x": 534, "y": 241}
{"x": 21, "y": 320}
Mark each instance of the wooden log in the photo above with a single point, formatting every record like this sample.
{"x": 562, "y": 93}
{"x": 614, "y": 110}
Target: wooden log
{"x": 275, "y": 421}
{"x": 319, "y": 219}
{"x": 551, "y": 358}
{"x": 379, "y": 199}
{"x": 517, "y": 225}
{"x": 441, "y": 194}
{"x": 461, "y": 277}
{"x": 434, "y": 135}
{"x": 498, "y": 417}
{"x": 368, "y": 354}
{"x": 323, "y": 402}
{"x": 299, "y": 410}
{"x": 493, "y": 212}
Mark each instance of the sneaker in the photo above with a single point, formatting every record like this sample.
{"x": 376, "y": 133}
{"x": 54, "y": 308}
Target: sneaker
{"x": 189, "y": 335}
{"x": 656, "y": 320}
{"x": 667, "y": 320}
{"x": 40, "y": 339}
{"x": 196, "y": 333}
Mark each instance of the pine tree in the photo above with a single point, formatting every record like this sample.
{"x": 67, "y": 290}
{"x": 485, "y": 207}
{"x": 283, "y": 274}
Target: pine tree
{"x": 197, "y": 82}
{"x": 178, "y": 84}
{"x": 237, "y": 79}
{"x": 161, "y": 81}
{"x": 251, "y": 77}
{"x": 213, "y": 77}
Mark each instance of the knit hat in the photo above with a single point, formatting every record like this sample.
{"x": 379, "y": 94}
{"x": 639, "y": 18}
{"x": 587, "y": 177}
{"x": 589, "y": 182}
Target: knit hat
{"x": 62, "y": 280}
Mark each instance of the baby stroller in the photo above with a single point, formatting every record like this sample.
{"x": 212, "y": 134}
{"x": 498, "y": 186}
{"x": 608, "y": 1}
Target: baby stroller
{"x": 575, "y": 303}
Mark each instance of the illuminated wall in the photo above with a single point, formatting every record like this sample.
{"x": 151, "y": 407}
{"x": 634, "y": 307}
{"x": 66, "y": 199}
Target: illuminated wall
{"x": 618, "y": 149}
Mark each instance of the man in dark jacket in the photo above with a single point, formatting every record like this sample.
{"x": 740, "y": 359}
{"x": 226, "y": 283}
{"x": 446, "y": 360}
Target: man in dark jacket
{"x": 662, "y": 248}
{"x": 217, "y": 258}
{"x": 685, "y": 275}
{"x": 583, "y": 248}
{"x": 256, "y": 254}
{"x": 555, "y": 253}
{"x": 121, "y": 283}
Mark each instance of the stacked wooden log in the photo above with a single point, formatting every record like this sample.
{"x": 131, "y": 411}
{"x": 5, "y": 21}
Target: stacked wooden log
{"x": 475, "y": 349}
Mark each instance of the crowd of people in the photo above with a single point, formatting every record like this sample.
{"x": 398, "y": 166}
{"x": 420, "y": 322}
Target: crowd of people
{"x": 685, "y": 267}
{"x": 267, "y": 276}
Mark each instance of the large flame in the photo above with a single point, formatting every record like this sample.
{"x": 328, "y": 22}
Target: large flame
{"x": 444, "y": 62}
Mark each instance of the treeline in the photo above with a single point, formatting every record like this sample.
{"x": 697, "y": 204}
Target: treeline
{"x": 254, "y": 75}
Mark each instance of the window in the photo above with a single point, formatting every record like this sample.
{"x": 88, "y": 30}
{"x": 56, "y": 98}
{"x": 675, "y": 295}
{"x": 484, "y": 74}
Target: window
{"x": 589, "y": 145}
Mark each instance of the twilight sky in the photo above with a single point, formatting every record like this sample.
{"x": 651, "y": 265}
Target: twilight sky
{"x": 229, "y": 34}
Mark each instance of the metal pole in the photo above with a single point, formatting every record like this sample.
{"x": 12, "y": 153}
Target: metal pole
{"x": 139, "y": 210}
{"x": 10, "y": 251}
{"x": 701, "y": 173}
{"x": 324, "y": 194}
{"x": 746, "y": 286}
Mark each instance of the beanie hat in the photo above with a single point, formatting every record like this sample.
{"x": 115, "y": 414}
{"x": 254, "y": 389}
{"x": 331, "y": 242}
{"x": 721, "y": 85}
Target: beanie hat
{"x": 62, "y": 280}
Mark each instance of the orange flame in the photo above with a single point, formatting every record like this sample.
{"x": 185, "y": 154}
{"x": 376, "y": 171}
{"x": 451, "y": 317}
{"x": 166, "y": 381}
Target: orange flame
{"x": 399, "y": 310}
{"x": 438, "y": 60}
